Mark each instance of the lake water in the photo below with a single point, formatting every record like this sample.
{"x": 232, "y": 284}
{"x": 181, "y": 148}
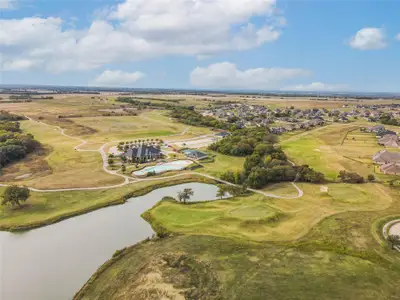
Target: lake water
{"x": 54, "y": 262}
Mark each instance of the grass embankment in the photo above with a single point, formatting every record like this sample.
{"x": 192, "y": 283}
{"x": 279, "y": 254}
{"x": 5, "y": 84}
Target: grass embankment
{"x": 258, "y": 218}
{"x": 47, "y": 208}
{"x": 333, "y": 148}
{"x": 204, "y": 267}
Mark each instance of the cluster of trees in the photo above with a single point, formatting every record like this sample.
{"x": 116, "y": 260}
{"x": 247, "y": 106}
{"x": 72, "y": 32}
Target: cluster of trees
{"x": 246, "y": 141}
{"x": 14, "y": 145}
{"x": 350, "y": 177}
{"x": 387, "y": 119}
{"x": 261, "y": 169}
{"x": 6, "y": 116}
{"x": 191, "y": 117}
{"x": 145, "y": 104}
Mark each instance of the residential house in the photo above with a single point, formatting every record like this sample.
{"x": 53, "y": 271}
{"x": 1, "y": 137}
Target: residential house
{"x": 385, "y": 157}
{"x": 391, "y": 169}
{"x": 143, "y": 153}
{"x": 376, "y": 128}
{"x": 390, "y": 140}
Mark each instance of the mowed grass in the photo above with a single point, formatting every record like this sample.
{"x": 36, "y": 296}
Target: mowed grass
{"x": 146, "y": 125}
{"x": 46, "y": 208}
{"x": 69, "y": 168}
{"x": 259, "y": 218}
{"x": 334, "y": 148}
{"x": 227, "y": 269}
{"x": 221, "y": 164}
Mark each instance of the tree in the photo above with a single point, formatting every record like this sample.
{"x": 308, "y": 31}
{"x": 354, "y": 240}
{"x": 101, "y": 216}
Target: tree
{"x": 110, "y": 161}
{"x": 371, "y": 178}
{"x": 221, "y": 193}
{"x": 185, "y": 195}
{"x": 123, "y": 169}
{"x": 394, "y": 240}
{"x": 15, "y": 194}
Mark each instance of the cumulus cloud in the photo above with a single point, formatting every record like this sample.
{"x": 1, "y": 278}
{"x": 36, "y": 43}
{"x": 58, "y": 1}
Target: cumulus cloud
{"x": 369, "y": 39}
{"x": 317, "y": 87}
{"x": 227, "y": 75}
{"x": 141, "y": 29}
{"x": 111, "y": 78}
{"x": 7, "y": 4}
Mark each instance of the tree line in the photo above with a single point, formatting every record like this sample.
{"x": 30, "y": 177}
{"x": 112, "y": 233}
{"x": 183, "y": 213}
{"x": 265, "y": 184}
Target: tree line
{"x": 265, "y": 162}
{"x": 191, "y": 117}
{"x": 14, "y": 145}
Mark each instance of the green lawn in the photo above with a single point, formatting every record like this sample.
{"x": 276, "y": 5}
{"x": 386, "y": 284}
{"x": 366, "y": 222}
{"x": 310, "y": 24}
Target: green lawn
{"x": 266, "y": 219}
{"x": 334, "y": 148}
{"x": 221, "y": 164}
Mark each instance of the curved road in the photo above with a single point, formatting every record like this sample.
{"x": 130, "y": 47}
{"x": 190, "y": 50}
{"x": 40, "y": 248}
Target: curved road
{"x": 131, "y": 180}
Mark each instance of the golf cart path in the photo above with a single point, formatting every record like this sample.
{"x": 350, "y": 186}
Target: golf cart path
{"x": 131, "y": 180}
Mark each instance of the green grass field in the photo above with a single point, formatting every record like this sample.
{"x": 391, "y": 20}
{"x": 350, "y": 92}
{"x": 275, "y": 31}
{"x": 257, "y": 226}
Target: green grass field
{"x": 266, "y": 219}
{"x": 334, "y": 148}
{"x": 147, "y": 125}
{"x": 221, "y": 164}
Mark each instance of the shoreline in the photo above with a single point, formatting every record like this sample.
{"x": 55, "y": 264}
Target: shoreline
{"x": 119, "y": 201}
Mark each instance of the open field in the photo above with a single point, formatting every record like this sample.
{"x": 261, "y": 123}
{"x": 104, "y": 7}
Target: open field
{"x": 217, "y": 268}
{"x": 68, "y": 166}
{"x": 262, "y": 219}
{"x": 333, "y": 148}
{"x": 146, "y": 125}
{"x": 46, "y": 208}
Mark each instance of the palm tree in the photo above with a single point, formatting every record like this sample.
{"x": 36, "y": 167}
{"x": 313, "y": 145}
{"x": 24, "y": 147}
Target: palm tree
{"x": 394, "y": 240}
{"x": 185, "y": 195}
{"x": 221, "y": 193}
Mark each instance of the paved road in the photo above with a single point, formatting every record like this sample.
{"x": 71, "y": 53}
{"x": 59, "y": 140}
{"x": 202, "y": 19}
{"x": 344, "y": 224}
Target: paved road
{"x": 132, "y": 180}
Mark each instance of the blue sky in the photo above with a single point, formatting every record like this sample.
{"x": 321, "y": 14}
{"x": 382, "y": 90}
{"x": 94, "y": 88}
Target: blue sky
{"x": 321, "y": 45}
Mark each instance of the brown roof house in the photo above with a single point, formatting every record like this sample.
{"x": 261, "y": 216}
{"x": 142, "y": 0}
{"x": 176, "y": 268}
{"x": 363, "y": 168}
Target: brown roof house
{"x": 390, "y": 140}
{"x": 391, "y": 169}
{"x": 385, "y": 157}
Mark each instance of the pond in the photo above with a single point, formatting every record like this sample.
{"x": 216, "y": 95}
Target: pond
{"x": 53, "y": 262}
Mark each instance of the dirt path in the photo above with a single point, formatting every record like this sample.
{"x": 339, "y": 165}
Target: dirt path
{"x": 131, "y": 180}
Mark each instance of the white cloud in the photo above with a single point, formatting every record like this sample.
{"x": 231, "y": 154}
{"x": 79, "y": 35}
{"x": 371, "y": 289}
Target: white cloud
{"x": 7, "y": 4}
{"x": 141, "y": 29}
{"x": 317, "y": 87}
{"x": 111, "y": 78}
{"x": 369, "y": 39}
{"x": 226, "y": 75}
